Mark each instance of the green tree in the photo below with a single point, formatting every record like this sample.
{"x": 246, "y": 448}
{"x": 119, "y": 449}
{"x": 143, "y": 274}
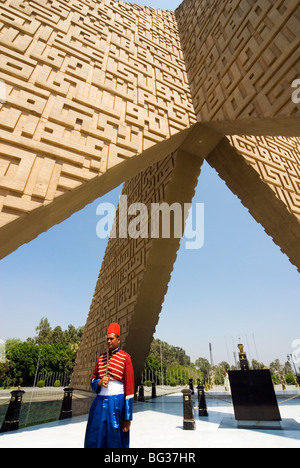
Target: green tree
{"x": 225, "y": 366}
{"x": 203, "y": 364}
{"x": 276, "y": 367}
{"x": 23, "y": 359}
{"x": 26, "y": 358}
{"x": 44, "y": 332}
{"x": 4, "y": 374}
{"x": 288, "y": 368}
{"x": 276, "y": 379}
{"x": 46, "y": 335}
{"x": 290, "y": 378}
{"x": 10, "y": 342}
{"x": 152, "y": 364}
{"x": 73, "y": 335}
{"x": 257, "y": 365}
{"x": 56, "y": 336}
{"x": 171, "y": 355}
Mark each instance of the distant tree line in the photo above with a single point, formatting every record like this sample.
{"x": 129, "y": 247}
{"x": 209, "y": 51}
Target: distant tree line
{"x": 50, "y": 351}
{"x": 54, "y": 350}
{"x": 167, "y": 364}
{"x": 170, "y": 365}
{"x": 46, "y": 335}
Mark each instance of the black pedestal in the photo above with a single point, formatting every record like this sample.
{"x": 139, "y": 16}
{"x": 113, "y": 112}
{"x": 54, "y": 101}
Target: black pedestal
{"x": 191, "y": 385}
{"x": 254, "y": 399}
{"x": 153, "y": 393}
{"x": 188, "y": 410}
{"x": 66, "y": 409}
{"x": 141, "y": 396}
{"x": 202, "y": 401}
{"x": 11, "y": 422}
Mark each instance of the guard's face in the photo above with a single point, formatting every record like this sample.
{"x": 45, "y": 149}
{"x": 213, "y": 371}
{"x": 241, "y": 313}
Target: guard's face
{"x": 113, "y": 341}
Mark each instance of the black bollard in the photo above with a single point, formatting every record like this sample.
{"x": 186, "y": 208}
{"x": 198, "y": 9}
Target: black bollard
{"x": 191, "y": 385}
{"x": 66, "y": 408}
{"x": 188, "y": 410}
{"x": 141, "y": 393}
{"x": 12, "y": 418}
{"x": 202, "y": 401}
{"x": 153, "y": 395}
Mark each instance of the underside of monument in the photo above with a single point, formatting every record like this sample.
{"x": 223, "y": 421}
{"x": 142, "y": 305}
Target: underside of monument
{"x": 95, "y": 93}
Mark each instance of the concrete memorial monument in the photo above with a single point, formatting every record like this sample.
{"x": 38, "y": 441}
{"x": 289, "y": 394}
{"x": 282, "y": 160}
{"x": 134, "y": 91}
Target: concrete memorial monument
{"x": 98, "y": 93}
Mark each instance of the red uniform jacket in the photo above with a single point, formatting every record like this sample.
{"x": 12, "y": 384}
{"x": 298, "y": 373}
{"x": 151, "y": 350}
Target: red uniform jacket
{"x": 119, "y": 368}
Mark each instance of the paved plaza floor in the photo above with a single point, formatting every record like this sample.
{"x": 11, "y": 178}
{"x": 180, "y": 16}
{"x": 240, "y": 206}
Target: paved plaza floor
{"x": 158, "y": 423}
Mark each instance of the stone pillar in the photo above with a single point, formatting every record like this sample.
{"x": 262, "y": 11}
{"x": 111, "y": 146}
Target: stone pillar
{"x": 141, "y": 396}
{"x": 191, "y": 385}
{"x": 153, "y": 394}
{"x": 11, "y": 422}
{"x": 188, "y": 410}
{"x": 202, "y": 408}
{"x": 66, "y": 409}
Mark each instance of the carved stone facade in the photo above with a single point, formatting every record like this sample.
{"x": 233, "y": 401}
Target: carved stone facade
{"x": 135, "y": 273}
{"x": 88, "y": 84}
{"x": 242, "y": 58}
{"x": 277, "y": 161}
{"x": 94, "y": 93}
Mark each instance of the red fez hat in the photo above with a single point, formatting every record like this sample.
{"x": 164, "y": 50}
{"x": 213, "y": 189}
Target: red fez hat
{"x": 114, "y": 328}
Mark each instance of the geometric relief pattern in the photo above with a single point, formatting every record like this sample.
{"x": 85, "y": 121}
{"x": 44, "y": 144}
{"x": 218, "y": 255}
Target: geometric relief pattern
{"x": 277, "y": 161}
{"x": 87, "y": 84}
{"x": 126, "y": 259}
{"x": 241, "y": 56}
{"x": 121, "y": 274}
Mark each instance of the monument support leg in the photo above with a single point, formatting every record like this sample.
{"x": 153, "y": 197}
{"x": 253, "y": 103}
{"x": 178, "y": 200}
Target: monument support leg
{"x": 135, "y": 273}
{"x": 279, "y": 220}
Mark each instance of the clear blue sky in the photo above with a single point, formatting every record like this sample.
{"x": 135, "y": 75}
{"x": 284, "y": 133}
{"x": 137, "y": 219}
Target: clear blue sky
{"x": 164, "y": 4}
{"x": 238, "y": 287}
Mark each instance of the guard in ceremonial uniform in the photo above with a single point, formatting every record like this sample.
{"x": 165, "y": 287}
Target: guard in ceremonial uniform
{"x": 111, "y": 412}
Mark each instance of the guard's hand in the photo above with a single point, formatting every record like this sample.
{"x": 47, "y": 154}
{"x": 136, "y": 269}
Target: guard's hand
{"x": 104, "y": 381}
{"x": 126, "y": 426}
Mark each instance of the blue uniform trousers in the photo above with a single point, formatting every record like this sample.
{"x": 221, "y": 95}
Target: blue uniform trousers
{"x": 104, "y": 427}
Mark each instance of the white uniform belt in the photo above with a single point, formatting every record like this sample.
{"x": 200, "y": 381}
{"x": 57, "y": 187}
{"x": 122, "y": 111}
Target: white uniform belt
{"x": 114, "y": 388}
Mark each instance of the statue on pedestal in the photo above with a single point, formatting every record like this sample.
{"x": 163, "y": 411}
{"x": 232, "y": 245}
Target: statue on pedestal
{"x": 243, "y": 358}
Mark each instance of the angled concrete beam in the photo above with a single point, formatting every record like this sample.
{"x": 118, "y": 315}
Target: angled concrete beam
{"x": 198, "y": 140}
{"x": 256, "y": 195}
{"x": 135, "y": 273}
{"x": 285, "y": 126}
